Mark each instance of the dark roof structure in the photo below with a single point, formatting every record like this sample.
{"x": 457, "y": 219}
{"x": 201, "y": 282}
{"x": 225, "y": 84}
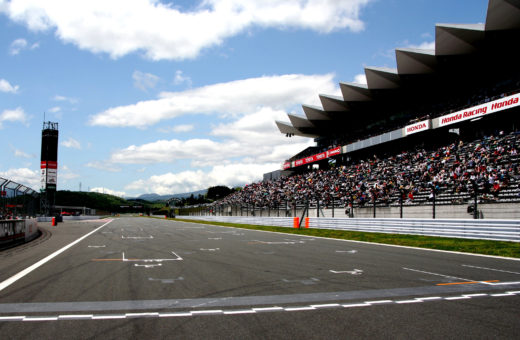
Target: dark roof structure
{"x": 466, "y": 59}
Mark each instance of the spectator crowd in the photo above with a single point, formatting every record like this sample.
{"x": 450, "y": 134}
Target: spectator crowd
{"x": 489, "y": 165}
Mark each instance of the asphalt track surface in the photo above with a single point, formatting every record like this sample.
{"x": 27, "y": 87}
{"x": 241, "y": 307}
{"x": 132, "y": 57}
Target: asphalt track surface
{"x": 161, "y": 279}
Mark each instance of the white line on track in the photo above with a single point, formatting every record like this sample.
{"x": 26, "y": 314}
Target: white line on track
{"x": 495, "y": 270}
{"x": 436, "y": 274}
{"x": 209, "y": 312}
{"x": 27, "y": 270}
{"x": 374, "y": 244}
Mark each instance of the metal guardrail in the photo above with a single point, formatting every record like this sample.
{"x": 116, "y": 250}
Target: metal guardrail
{"x": 499, "y": 230}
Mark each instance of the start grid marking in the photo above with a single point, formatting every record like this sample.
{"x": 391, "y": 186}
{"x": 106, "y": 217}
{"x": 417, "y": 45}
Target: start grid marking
{"x": 249, "y": 311}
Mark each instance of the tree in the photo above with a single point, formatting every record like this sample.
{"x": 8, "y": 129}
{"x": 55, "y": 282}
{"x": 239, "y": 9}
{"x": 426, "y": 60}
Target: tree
{"x": 218, "y": 192}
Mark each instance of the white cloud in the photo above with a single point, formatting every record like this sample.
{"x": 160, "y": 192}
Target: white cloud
{"x": 17, "y": 46}
{"x": 108, "y": 191}
{"x": 59, "y": 98}
{"x": 236, "y": 174}
{"x": 55, "y": 109}
{"x": 104, "y": 166}
{"x": 233, "y": 98}
{"x": 66, "y": 173}
{"x": 71, "y": 143}
{"x": 5, "y": 86}
{"x": 144, "y": 81}
{"x": 16, "y": 115}
{"x": 24, "y": 176}
{"x": 21, "y": 44}
{"x": 426, "y": 45}
{"x": 180, "y": 79}
{"x": 177, "y": 128}
{"x": 243, "y": 139}
{"x": 162, "y": 31}
{"x": 20, "y": 153}
{"x": 360, "y": 79}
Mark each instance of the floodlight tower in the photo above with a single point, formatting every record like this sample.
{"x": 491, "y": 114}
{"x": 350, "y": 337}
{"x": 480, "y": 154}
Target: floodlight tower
{"x": 49, "y": 167}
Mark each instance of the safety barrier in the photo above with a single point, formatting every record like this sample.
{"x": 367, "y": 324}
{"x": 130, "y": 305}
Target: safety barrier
{"x": 14, "y": 231}
{"x": 500, "y": 230}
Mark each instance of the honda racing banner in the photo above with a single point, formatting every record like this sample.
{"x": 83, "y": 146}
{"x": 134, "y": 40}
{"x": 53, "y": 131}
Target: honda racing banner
{"x": 480, "y": 110}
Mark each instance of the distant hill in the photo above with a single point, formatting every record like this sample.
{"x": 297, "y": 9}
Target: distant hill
{"x": 100, "y": 201}
{"x": 156, "y": 197}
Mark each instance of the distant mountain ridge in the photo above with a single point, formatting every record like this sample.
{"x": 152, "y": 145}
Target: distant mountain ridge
{"x": 157, "y": 197}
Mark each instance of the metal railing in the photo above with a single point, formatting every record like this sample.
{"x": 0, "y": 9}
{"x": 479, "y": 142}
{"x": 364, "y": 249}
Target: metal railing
{"x": 17, "y": 200}
{"x": 502, "y": 230}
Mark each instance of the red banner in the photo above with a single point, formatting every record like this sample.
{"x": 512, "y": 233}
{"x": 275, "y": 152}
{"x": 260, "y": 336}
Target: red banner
{"x": 49, "y": 165}
{"x": 334, "y": 152}
{"x": 317, "y": 157}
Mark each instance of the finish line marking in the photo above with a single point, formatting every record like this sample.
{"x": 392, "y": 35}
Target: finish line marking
{"x": 272, "y": 309}
{"x": 40, "y": 263}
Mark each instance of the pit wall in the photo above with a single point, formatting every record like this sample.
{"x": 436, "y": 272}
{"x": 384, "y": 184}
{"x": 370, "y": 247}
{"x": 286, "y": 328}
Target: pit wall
{"x": 18, "y": 231}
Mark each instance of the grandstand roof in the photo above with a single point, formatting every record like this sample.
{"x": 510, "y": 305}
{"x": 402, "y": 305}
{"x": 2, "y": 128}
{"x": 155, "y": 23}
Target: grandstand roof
{"x": 468, "y": 54}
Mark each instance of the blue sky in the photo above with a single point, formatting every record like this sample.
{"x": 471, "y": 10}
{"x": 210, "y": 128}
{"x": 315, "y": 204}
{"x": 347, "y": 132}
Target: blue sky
{"x": 175, "y": 96}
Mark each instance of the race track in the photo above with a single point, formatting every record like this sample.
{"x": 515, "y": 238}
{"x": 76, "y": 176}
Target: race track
{"x": 153, "y": 278}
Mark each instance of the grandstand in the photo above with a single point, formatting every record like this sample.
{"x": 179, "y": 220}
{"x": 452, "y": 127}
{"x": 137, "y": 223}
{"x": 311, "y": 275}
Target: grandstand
{"x": 471, "y": 68}
{"x": 440, "y": 129}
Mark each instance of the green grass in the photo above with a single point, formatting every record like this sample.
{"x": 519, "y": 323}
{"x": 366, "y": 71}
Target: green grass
{"x": 496, "y": 248}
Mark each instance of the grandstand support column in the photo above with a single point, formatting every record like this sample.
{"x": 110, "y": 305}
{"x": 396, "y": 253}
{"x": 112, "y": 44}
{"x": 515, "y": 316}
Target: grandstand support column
{"x": 433, "y": 202}
{"x": 401, "y": 193}
{"x": 351, "y": 206}
{"x": 332, "y": 206}
{"x": 475, "y": 204}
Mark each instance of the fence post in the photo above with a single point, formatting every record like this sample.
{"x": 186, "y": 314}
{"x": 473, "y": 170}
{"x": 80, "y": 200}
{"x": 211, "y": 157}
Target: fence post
{"x": 401, "y": 193}
{"x": 433, "y": 197}
{"x": 475, "y": 210}
{"x": 332, "y": 206}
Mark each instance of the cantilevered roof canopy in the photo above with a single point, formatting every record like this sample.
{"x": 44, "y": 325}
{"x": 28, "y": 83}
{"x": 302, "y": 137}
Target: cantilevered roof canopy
{"x": 464, "y": 57}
